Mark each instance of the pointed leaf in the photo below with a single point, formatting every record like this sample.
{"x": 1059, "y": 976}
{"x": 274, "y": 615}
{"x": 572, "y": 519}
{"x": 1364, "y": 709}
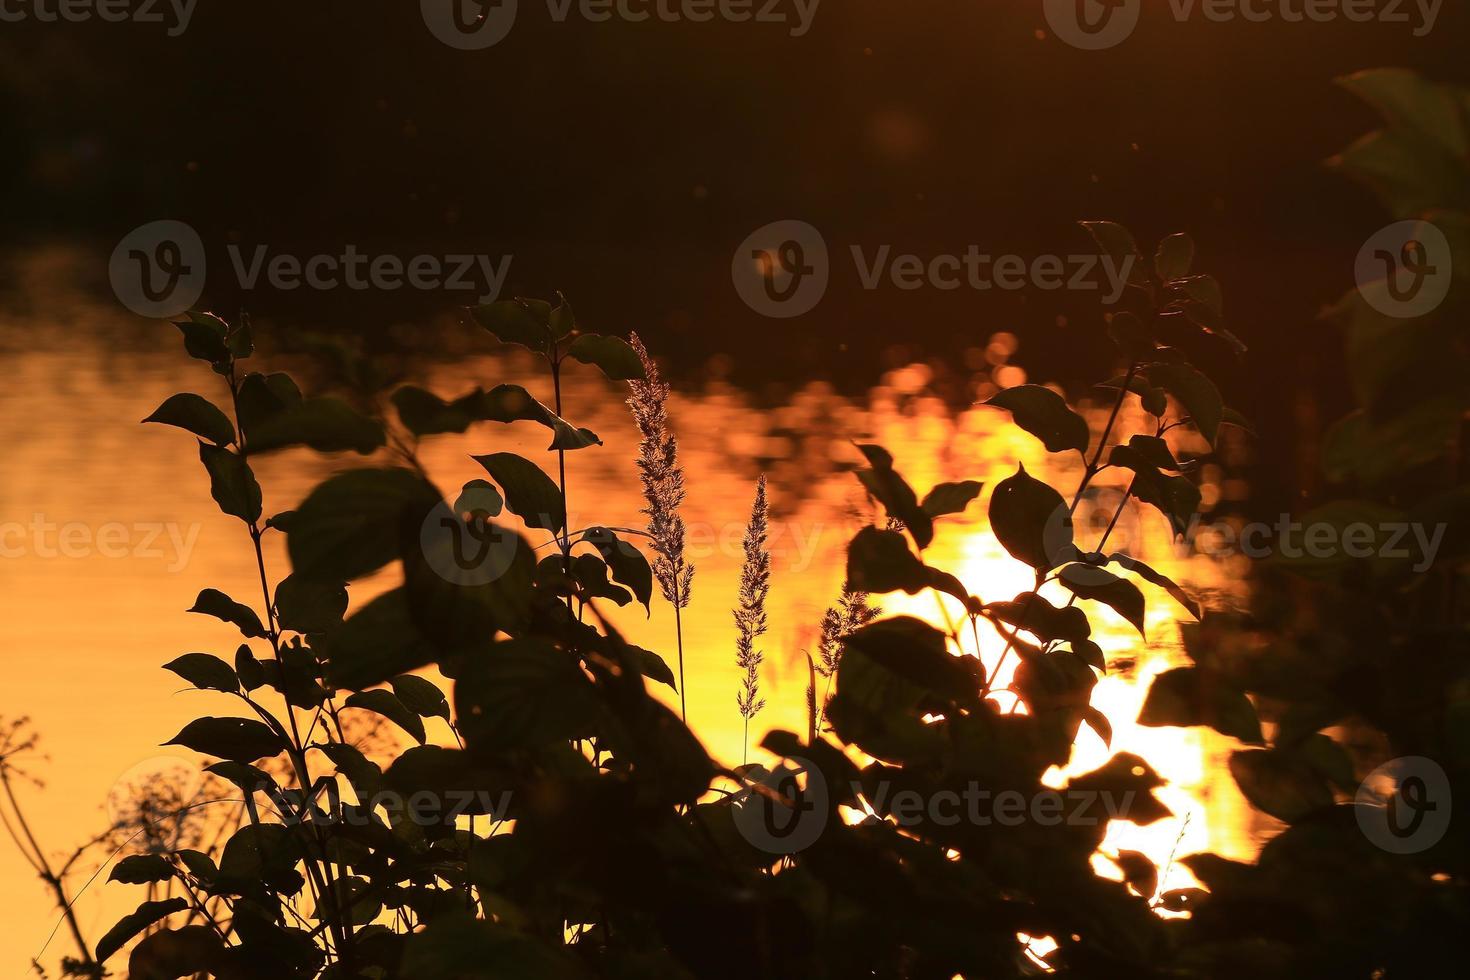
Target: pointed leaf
{"x": 529, "y": 493}
{"x": 231, "y": 482}
{"x": 612, "y": 354}
{"x": 130, "y": 925}
{"x": 1044, "y": 413}
{"x": 1031, "y": 521}
{"x": 387, "y": 704}
{"x": 237, "y": 739}
{"x": 212, "y": 602}
{"x": 951, "y": 498}
{"x": 205, "y": 671}
{"x": 1091, "y": 582}
{"x": 197, "y": 415}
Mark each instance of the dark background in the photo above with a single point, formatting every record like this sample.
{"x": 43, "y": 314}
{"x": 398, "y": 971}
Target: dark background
{"x": 622, "y": 164}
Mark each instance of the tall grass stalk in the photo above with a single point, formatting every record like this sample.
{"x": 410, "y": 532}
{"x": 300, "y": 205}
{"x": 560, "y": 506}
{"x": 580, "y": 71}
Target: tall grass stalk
{"x": 663, "y": 489}
{"x": 750, "y": 615}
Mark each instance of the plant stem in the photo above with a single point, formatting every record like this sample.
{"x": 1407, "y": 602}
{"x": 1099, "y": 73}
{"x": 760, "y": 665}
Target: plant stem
{"x": 679, "y": 639}
{"x": 38, "y": 860}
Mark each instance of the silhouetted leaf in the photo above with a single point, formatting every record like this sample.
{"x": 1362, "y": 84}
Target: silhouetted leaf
{"x": 628, "y": 565}
{"x": 1188, "y": 696}
{"x": 1176, "y": 497}
{"x": 653, "y": 666}
{"x": 242, "y": 774}
{"x": 1149, "y": 574}
{"x": 516, "y": 322}
{"x": 231, "y": 482}
{"x": 1139, "y": 872}
{"x": 352, "y": 902}
{"x": 891, "y": 490}
{"x": 1090, "y": 582}
{"x": 521, "y": 693}
{"x": 1278, "y": 784}
{"x": 1197, "y": 393}
{"x": 1117, "y": 244}
{"x": 1035, "y": 614}
{"x": 1132, "y": 338}
{"x": 1044, "y": 413}
{"x": 205, "y": 671}
{"x": 212, "y": 602}
{"x": 1128, "y": 782}
{"x": 173, "y": 953}
{"x": 425, "y": 413}
{"x": 204, "y": 337}
{"x": 130, "y": 925}
{"x": 421, "y": 696}
{"x": 1099, "y": 723}
{"x": 364, "y": 775}
{"x": 265, "y": 853}
{"x": 880, "y": 561}
{"x": 238, "y": 739}
{"x": 351, "y": 524}
{"x": 612, "y": 354}
{"x": 328, "y": 425}
{"x": 309, "y": 605}
{"x": 141, "y": 869}
{"x": 476, "y": 785}
{"x": 262, "y": 395}
{"x": 950, "y": 498}
{"x": 1154, "y": 451}
{"x": 479, "y": 498}
{"x": 378, "y": 641}
{"x": 197, "y": 415}
{"x": 1154, "y": 400}
{"x": 1031, "y": 521}
{"x": 387, "y": 704}
{"x": 1174, "y": 257}
{"x": 590, "y": 573}
{"x": 916, "y": 651}
{"x": 250, "y": 671}
{"x": 529, "y": 493}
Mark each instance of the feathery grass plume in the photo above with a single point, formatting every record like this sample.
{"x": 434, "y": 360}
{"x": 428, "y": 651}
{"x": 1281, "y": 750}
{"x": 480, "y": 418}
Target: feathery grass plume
{"x": 852, "y": 613}
{"x": 663, "y": 489}
{"x": 750, "y": 615}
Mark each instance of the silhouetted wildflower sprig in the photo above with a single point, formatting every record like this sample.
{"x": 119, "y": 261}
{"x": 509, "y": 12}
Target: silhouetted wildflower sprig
{"x": 663, "y": 489}
{"x": 750, "y": 615}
